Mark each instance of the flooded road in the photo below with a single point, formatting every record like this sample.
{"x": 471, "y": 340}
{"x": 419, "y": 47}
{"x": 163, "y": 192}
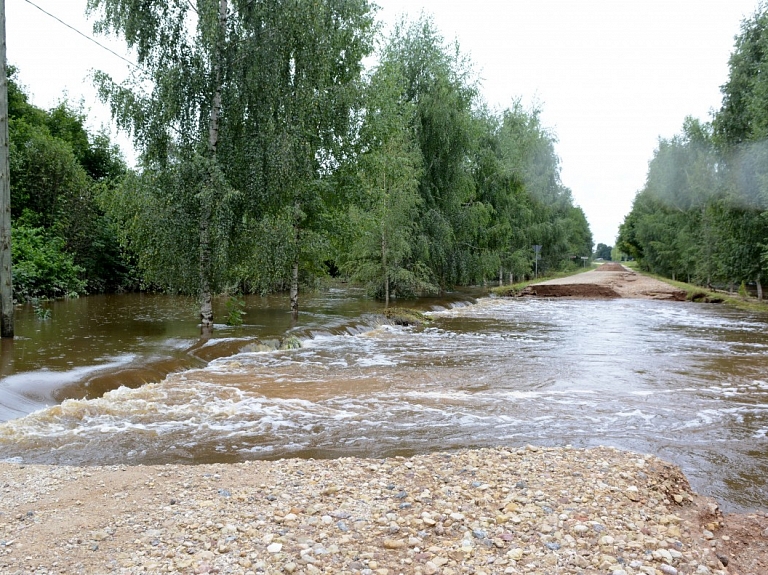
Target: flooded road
{"x": 686, "y": 382}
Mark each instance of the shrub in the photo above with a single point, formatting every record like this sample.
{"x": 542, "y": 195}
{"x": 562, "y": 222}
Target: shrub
{"x": 41, "y": 267}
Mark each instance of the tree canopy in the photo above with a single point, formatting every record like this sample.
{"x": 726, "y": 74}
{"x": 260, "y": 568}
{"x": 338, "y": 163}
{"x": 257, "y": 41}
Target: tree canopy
{"x": 63, "y": 243}
{"x": 270, "y": 156}
{"x": 702, "y": 214}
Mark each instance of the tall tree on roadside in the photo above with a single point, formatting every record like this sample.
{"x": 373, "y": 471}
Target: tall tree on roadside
{"x": 315, "y": 54}
{"x": 440, "y": 84}
{"x": 248, "y": 107}
{"x": 182, "y": 48}
{"x": 389, "y": 168}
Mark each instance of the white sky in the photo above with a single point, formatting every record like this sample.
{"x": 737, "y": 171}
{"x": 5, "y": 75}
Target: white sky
{"x": 611, "y": 75}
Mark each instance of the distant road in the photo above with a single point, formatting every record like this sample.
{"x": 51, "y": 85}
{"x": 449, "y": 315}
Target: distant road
{"x": 611, "y": 280}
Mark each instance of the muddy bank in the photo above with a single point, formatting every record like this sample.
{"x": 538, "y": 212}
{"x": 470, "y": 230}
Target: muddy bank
{"x": 610, "y": 280}
{"x": 503, "y": 510}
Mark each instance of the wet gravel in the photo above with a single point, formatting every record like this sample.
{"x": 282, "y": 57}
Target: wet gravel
{"x": 486, "y": 511}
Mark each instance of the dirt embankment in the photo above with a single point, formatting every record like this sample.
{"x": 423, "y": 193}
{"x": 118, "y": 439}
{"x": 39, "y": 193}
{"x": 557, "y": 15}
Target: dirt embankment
{"x": 611, "y": 280}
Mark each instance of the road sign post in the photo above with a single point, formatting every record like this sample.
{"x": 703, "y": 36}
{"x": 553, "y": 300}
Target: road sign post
{"x": 537, "y": 256}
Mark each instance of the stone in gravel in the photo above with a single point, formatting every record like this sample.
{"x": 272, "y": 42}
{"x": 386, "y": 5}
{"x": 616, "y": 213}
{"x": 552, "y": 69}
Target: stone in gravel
{"x": 393, "y": 544}
{"x": 275, "y": 547}
{"x": 667, "y": 569}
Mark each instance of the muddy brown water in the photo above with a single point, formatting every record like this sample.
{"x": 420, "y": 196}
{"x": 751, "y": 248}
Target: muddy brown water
{"x": 686, "y": 382}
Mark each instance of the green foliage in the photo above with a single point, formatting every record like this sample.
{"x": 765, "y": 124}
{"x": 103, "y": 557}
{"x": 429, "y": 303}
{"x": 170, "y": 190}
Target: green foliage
{"x": 381, "y": 256}
{"x": 290, "y": 342}
{"x": 41, "y": 313}
{"x": 157, "y": 215}
{"x": 488, "y": 185}
{"x": 57, "y": 171}
{"x": 702, "y": 212}
{"x": 235, "y": 311}
{"x": 603, "y": 251}
{"x": 261, "y": 118}
{"x": 41, "y": 266}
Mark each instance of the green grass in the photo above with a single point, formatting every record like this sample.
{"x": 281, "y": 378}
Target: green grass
{"x": 704, "y": 295}
{"x": 405, "y": 316}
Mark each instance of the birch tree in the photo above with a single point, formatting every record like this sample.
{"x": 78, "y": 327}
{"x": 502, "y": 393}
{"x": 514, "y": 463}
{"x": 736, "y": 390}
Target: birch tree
{"x": 243, "y": 108}
{"x": 389, "y": 170}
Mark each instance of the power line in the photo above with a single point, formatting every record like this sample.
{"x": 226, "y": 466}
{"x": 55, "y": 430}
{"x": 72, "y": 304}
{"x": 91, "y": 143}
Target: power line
{"x": 83, "y": 35}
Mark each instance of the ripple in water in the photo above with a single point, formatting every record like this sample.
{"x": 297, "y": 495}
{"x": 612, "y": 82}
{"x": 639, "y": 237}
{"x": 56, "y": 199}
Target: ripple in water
{"x": 677, "y": 380}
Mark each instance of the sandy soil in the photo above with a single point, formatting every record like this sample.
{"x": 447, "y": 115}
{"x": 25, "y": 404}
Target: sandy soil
{"x": 611, "y": 280}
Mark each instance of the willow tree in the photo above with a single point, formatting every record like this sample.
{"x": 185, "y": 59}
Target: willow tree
{"x": 307, "y": 64}
{"x": 439, "y": 84}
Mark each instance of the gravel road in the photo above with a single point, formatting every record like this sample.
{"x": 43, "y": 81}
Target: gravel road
{"x": 503, "y": 510}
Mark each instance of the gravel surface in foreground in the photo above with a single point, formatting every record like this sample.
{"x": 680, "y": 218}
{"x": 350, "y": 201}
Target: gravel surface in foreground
{"x": 532, "y": 510}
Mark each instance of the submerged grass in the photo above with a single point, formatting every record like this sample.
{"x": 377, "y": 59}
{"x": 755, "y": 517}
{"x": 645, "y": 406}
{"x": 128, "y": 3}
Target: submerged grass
{"x": 405, "y": 316}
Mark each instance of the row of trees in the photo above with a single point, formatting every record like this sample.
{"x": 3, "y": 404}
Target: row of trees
{"x": 269, "y": 156}
{"x": 703, "y": 213}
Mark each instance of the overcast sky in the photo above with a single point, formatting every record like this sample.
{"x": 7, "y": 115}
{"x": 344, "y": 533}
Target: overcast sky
{"x": 610, "y": 75}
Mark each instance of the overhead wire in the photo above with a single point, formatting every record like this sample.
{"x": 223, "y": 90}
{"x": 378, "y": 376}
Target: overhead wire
{"x": 99, "y": 44}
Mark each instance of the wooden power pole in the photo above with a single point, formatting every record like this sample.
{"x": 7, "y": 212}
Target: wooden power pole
{"x": 6, "y": 283}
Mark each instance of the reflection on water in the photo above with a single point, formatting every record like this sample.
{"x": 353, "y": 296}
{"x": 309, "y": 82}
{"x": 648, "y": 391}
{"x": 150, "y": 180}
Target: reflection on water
{"x": 686, "y": 382}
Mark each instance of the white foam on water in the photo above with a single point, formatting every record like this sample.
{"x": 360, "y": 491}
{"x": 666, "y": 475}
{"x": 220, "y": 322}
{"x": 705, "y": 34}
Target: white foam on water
{"x": 647, "y": 417}
{"x": 219, "y": 340}
{"x": 374, "y": 360}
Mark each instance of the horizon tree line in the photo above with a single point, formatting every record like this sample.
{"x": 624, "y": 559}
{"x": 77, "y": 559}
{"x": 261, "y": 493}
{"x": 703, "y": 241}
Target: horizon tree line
{"x": 270, "y": 156}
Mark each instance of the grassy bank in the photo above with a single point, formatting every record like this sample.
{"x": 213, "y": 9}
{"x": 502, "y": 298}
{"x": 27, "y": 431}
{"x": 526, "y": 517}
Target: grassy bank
{"x": 704, "y": 295}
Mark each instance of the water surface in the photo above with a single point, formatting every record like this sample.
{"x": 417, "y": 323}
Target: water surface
{"x": 683, "y": 381}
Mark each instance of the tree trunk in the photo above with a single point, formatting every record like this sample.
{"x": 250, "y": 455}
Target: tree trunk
{"x": 759, "y": 284}
{"x": 501, "y": 277}
{"x": 206, "y": 211}
{"x": 295, "y": 288}
{"x": 294, "y": 293}
{"x": 206, "y": 297}
{"x": 511, "y": 278}
{"x": 6, "y": 282}
{"x": 386, "y": 271}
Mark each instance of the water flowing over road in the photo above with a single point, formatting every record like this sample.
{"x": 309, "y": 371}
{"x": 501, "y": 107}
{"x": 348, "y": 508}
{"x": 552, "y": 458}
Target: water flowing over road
{"x": 683, "y": 381}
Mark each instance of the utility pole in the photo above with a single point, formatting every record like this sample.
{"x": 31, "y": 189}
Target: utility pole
{"x": 6, "y": 283}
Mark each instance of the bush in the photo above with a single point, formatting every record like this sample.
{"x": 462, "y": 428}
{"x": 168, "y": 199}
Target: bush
{"x": 41, "y": 267}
